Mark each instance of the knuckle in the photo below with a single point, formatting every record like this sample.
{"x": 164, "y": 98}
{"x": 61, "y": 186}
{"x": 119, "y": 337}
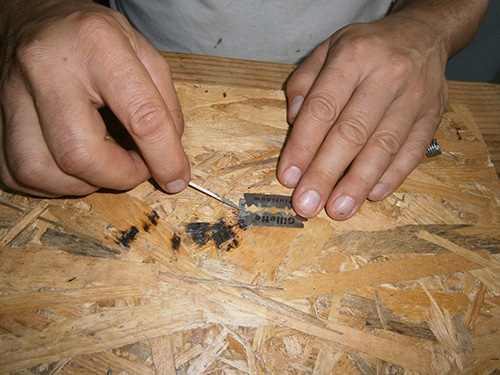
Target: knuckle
{"x": 400, "y": 65}
{"x": 93, "y": 28}
{"x": 147, "y": 119}
{"x": 353, "y": 131}
{"x": 324, "y": 176}
{"x": 322, "y": 108}
{"x": 359, "y": 46}
{"x": 92, "y": 21}
{"x": 29, "y": 53}
{"x": 386, "y": 141}
{"x": 75, "y": 159}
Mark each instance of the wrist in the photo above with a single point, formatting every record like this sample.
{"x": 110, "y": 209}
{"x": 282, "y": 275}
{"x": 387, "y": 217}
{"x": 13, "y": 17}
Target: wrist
{"x": 428, "y": 35}
{"x": 452, "y": 22}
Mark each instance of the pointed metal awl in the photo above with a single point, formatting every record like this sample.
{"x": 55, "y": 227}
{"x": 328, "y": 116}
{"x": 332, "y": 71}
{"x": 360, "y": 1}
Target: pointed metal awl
{"x": 213, "y": 195}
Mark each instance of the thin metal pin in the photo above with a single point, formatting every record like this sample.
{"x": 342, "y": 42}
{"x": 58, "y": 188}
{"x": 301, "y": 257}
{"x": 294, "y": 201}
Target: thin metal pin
{"x": 213, "y": 195}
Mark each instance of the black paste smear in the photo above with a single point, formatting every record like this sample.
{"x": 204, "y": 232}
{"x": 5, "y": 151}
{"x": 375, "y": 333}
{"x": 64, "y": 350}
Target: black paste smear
{"x": 128, "y": 236}
{"x": 154, "y": 217}
{"x": 220, "y": 233}
{"x": 176, "y": 242}
{"x": 198, "y": 232}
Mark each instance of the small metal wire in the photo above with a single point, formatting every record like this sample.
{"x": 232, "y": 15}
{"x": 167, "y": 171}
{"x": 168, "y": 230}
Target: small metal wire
{"x": 434, "y": 149}
{"x": 213, "y": 195}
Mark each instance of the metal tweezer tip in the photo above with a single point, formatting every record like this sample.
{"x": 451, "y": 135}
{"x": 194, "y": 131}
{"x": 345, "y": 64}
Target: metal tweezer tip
{"x": 213, "y": 195}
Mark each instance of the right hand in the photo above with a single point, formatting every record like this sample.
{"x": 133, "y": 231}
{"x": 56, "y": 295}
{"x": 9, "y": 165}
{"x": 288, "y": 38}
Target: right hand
{"x": 65, "y": 64}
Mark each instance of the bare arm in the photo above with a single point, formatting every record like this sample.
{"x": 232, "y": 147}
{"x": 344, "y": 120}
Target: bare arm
{"x": 456, "y": 21}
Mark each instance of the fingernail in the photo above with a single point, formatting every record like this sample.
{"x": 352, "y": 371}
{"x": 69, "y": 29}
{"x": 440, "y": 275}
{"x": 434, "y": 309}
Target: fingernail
{"x": 379, "y": 192}
{"x": 292, "y": 176}
{"x": 295, "y": 106}
{"x": 309, "y": 202}
{"x": 175, "y": 186}
{"x": 343, "y": 206}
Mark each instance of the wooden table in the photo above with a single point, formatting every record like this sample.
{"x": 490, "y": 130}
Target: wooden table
{"x": 113, "y": 281}
{"x": 482, "y": 99}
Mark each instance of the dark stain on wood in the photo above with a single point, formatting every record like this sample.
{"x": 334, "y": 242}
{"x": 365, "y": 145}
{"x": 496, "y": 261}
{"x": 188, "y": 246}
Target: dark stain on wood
{"x": 176, "y": 242}
{"x": 221, "y": 233}
{"x": 77, "y": 244}
{"x": 154, "y": 217}
{"x": 367, "y": 309}
{"x": 404, "y": 239}
{"x": 23, "y": 238}
{"x": 70, "y": 280}
{"x": 128, "y": 236}
{"x": 198, "y": 232}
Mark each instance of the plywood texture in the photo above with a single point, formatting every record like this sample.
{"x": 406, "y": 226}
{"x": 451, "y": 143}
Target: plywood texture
{"x": 410, "y": 284}
{"x": 481, "y": 99}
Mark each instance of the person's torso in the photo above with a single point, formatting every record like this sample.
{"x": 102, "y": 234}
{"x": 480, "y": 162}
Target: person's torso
{"x": 272, "y": 30}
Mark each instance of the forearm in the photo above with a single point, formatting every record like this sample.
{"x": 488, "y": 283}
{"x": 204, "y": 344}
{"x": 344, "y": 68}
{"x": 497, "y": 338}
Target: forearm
{"x": 454, "y": 21}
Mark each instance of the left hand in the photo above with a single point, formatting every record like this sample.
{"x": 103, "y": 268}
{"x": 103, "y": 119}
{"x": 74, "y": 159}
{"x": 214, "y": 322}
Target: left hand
{"x": 364, "y": 106}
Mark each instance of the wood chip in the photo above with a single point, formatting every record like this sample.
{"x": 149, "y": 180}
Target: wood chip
{"x": 27, "y": 219}
{"x": 184, "y": 357}
{"x": 450, "y": 333}
{"x": 474, "y": 308}
{"x": 459, "y": 250}
{"x": 163, "y": 355}
{"x": 210, "y": 355}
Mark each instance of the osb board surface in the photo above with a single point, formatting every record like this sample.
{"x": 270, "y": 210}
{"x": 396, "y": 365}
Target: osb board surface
{"x": 482, "y": 99}
{"x": 410, "y": 283}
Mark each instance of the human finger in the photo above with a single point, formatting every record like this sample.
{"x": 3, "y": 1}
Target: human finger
{"x": 407, "y": 159}
{"x": 29, "y": 163}
{"x": 373, "y": 160}
{"x": 161, "y": 75}
{"x": 301, "y": 80}
{"x": 126, "y": 86}
{"x": 325, "y": 101}
{"x": 358, "y": 121}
